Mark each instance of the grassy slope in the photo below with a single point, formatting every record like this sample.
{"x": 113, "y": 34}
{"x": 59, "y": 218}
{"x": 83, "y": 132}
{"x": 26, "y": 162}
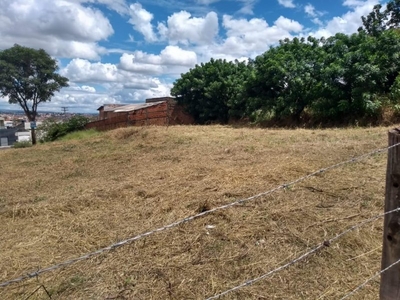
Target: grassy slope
{"x": 64, "y": 199}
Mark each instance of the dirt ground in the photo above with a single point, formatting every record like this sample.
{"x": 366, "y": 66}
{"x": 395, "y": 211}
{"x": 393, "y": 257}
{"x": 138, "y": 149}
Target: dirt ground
{"x": 64, "y": 199}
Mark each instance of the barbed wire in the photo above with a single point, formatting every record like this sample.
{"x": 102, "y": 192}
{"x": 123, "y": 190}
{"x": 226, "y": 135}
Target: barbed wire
{"x": 190, "y": 218}
{"x": 368, "y": 280}
{"x": 324, "y": 244}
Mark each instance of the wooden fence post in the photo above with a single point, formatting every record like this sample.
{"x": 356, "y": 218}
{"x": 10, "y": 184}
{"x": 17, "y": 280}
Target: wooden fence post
{"x": 390, "y": 280}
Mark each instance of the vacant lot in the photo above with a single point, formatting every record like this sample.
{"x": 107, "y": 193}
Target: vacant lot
{"x": 64, "y": 199}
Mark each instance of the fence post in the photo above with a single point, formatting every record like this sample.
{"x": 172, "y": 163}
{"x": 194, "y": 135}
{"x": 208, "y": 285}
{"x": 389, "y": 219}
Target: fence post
{"x": 390, "y": 280}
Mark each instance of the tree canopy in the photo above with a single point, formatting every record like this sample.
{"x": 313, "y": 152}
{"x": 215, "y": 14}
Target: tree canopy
{"x": 212, "y": 91}
{"x": 338, "y": 79}
{"x": 29, "y": 77}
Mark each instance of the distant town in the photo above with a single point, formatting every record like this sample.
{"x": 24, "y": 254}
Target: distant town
{"x": 12, "y": 117}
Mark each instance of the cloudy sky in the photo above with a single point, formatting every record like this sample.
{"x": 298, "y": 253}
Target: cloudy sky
{"x": 122, "y": 51}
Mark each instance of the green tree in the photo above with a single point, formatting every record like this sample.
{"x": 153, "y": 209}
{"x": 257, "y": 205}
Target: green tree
{"x": 375, "y": 22}
{"x": 286, "y": 79}
{"x": 29, "y": 77}
{"x": 378, "y": 20}
{"x": 212, "y": 91}
{"x": 393, "y": 14}
{"x": 359, "y": 71}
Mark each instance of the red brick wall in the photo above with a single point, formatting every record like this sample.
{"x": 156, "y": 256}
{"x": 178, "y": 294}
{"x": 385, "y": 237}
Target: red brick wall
{"x": 101, "y": 114}
{"x": 178, "y": 115}
{"x": 110, "y": 123}
{"x": 163, "y": 114}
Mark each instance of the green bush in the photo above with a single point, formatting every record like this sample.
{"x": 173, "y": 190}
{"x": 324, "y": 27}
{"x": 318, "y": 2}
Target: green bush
{"x": 23, "y": 144}
{"x": 80, "y": 135}
{"x": 53, "y": 130}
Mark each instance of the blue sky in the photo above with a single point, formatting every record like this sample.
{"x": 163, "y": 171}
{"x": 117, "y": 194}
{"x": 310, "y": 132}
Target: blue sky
{"x": 120, "y": 51}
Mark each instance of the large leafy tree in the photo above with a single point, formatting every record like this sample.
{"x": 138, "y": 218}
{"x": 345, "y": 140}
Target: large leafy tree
{"x": 379, "y": 20}
{"x": 359, "y": 70}
{"x": 29, "y": 77}
{"x": 287, "y": 78}
{"x": 212, "y": 91}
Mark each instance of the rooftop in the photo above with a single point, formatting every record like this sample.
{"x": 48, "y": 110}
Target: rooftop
{"x": 133, "y": 107}
{"x": 110, "y": 107}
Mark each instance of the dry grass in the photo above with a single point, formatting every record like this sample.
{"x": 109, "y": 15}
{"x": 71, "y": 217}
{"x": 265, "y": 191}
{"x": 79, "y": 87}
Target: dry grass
{"x": 64, "y": 199}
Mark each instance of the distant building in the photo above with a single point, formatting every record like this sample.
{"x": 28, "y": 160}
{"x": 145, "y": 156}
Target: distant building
{"x": 162, "y": 111}
{"x": 152, "y": 100}
{"x": 2, "y": 125}
{"x": 8, "y": 137}
{"x": 107, "y": 110}
{"x": 23, "y": 136}
{"x": 9, "y": 124}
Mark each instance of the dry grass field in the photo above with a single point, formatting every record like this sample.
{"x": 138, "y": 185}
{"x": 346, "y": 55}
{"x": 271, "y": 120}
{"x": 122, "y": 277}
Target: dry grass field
{"x": 64, "y": 199}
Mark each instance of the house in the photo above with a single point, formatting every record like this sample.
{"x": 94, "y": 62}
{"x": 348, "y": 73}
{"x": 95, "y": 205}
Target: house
{"x": 8, "y": 137}
{"x": 9, "y": 124}
{"x": 162, "y": 111}
{"x": 23, "y": 136}
{"x": 152, "y": 100}
{"x": 107, "y": 110}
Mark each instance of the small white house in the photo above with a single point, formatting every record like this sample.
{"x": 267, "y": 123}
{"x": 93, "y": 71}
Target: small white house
{"x": 23, "y": 136}
{"x": 9, "y": 124}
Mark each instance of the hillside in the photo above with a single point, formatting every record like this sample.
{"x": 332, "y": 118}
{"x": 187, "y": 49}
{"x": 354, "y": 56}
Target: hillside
{"x": 64, "y": 199}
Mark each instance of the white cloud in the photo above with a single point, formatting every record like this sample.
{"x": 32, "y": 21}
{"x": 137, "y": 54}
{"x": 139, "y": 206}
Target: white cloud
{"x": 65, "y": 29}
{"x": 173, "y": 55}
{"x": 310, "y": 10}
{"x": 89, "y": 89}
{"x": 120, "y": 86}
{"x": 141, "y": 21}
{"x": 288, "y": 25}
{"x": 182, "y": 28}
{"x": 353, "y": 3}
{"x": 82, "y": 70}
{"x": 251, "y": 37}
{"x": 248, "y": 6}
{"x": 119, "y": 6}
{"x": 350, "y": 21}
{"x": 129, "y": 62}
{"x": 82, "y": 88}
{"x": 287, "y": 3}
{"x": 172, "y": 60}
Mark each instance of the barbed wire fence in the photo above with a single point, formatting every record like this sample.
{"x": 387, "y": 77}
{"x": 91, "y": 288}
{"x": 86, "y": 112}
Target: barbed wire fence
{"x": 314, "y": 250}
{"x": 369, "y": 280}
{"x": 326, "y": 243}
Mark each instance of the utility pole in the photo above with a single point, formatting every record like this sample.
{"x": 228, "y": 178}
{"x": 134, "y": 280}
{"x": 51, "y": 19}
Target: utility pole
{"x": 64, "y": 109}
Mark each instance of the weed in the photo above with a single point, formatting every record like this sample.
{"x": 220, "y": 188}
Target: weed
{"x": 23, "y": 144}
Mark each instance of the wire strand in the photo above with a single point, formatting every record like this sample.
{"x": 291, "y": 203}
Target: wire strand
{"x": 190, "y": 218}
{"x": 305, "y": 255}
{"x": 368, "y": 280}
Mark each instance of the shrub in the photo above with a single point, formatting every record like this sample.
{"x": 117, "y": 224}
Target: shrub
{"x": 23, "y": 144}
{"x": 54, "y": 130}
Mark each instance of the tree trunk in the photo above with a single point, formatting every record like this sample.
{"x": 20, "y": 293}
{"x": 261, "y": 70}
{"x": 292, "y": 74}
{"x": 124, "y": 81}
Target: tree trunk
{"x": 33, "y": 136}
